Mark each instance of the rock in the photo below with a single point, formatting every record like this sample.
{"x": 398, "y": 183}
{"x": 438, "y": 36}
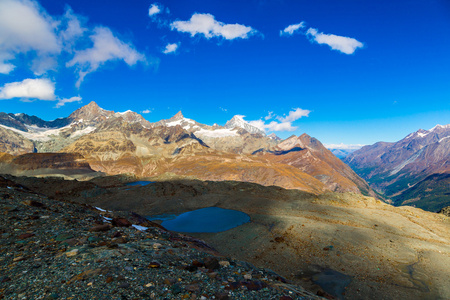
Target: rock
{"x": 71, "y": 253}
{"x": 224, "y": 263}
{"x": 176, "y": 289}
{"x": 154, "y": 265}
{"x": 222, "y": 296}
{"x": 254, "y": 285}
{"x": 63, "y": 237}
{"x": 10, "y": 208}
{"x": 120, "y": 240}
{"x": 197, "y": 264}
{"x": 53, "y": 296}
{"x": 71, "y": 242}
{"x": 124, "y": 285}
{"x": 25, "y": 236}
{"x": 121, "y": 222}
{"x": 103, "y": 227}
{"x": 18, "y": 258}
{"x": 247, "y": 276}
{"x": 211, "y": 263}
{"x": 156, "y": 246}
{"x": 33, "y": 203}
{"x": 445, "y": 211}
{"x": 192, "y": 288}
{"x": 4, "y": 279}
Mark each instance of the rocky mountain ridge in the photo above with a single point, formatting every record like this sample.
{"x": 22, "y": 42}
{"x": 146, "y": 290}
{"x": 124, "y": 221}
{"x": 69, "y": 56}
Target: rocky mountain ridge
{"x": 395, "y": 168}
{"x": 116, "y": 143}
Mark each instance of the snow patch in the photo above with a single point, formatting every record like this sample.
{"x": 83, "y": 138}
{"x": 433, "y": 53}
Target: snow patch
{"x": 180, "y": 121}
{"x": 140, "y": 228}
{"x": 123, "y": 113}
{"x": 444, "y": 138}
{"x": 440, "y": 126}
{"x": 82, "y": 132}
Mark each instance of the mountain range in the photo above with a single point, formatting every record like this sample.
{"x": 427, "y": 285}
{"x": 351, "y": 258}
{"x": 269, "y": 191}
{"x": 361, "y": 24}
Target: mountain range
{"x": 178, "y": 147}
{"x": 414, "y": 170}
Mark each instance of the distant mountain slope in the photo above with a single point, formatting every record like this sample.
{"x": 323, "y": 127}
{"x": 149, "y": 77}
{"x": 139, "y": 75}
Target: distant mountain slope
{"x": 394, "y": 168}
{"x": 310, "y": 156}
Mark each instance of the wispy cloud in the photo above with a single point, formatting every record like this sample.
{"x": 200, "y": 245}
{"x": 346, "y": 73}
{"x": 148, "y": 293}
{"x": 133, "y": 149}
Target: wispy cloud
{"x": 62, "y": 102}
{"x": 34, "y": 31}
{"x": 292, "y": 28}
{"x": 147, "y": 111}
{"x": 343, "y": 44}
{"x": 42, "y": 89}
{"x": 170, "y": 48}
{"x": 223, "y": 109}
{"x": 107, "y": 47}
{"x": 154, "y": 10}
{"x": 283, "y": 123}
{"x": 294, "y": 115}
{"x": 207, "y": 26}
{"x": 269, "y": 116}
{"x": 30, "y": 38}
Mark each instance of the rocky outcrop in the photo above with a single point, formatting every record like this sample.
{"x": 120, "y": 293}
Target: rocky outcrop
{"x": 14, "y": 143}
{"x": 445, "y": 211}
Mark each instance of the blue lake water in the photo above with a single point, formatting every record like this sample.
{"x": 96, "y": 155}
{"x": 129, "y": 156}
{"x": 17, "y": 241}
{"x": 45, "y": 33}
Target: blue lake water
{"x": 140, "y": 183}
{"x": 209, "y": 219}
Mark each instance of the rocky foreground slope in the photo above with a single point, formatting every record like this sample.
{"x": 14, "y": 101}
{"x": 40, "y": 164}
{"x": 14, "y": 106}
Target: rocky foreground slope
{"x": 345, "y": 244}
{"x": 52, "y": 249}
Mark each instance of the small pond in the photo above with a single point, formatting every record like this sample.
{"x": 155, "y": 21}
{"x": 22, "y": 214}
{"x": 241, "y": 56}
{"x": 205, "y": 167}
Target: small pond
{"x": 140, "y": 183}
{"x": 209, "y": 219}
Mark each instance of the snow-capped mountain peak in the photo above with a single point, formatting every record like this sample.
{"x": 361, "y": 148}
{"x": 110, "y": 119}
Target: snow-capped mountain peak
{"x": 238, "y": 121}
{"x": 90, "y": 112}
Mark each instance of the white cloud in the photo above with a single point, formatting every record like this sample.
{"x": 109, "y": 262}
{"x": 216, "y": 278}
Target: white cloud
{"x": 25, "y": 27}
{"x": 154, "y": 10}
{"x": 206, "y": 25}
{"x": 42, "y": 89}
{"x": 73, "y": 29}
{"x": 223, "y": 109}
{"x": 343, "y": 44}
{"x": 106, "y": 47}
{"x": 62, "y": 102}
{"x": 295, "y": 115}
{"x": 269, "y": 116}
{"x": 292, "y": 28}
{"x": 170, "y": 48}
{"x": 284, "y": 124}
{"x": 147, "y": 111}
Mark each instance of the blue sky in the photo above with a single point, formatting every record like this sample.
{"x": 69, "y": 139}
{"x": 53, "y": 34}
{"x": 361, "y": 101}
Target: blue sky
{"x": 352, "y": 72}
